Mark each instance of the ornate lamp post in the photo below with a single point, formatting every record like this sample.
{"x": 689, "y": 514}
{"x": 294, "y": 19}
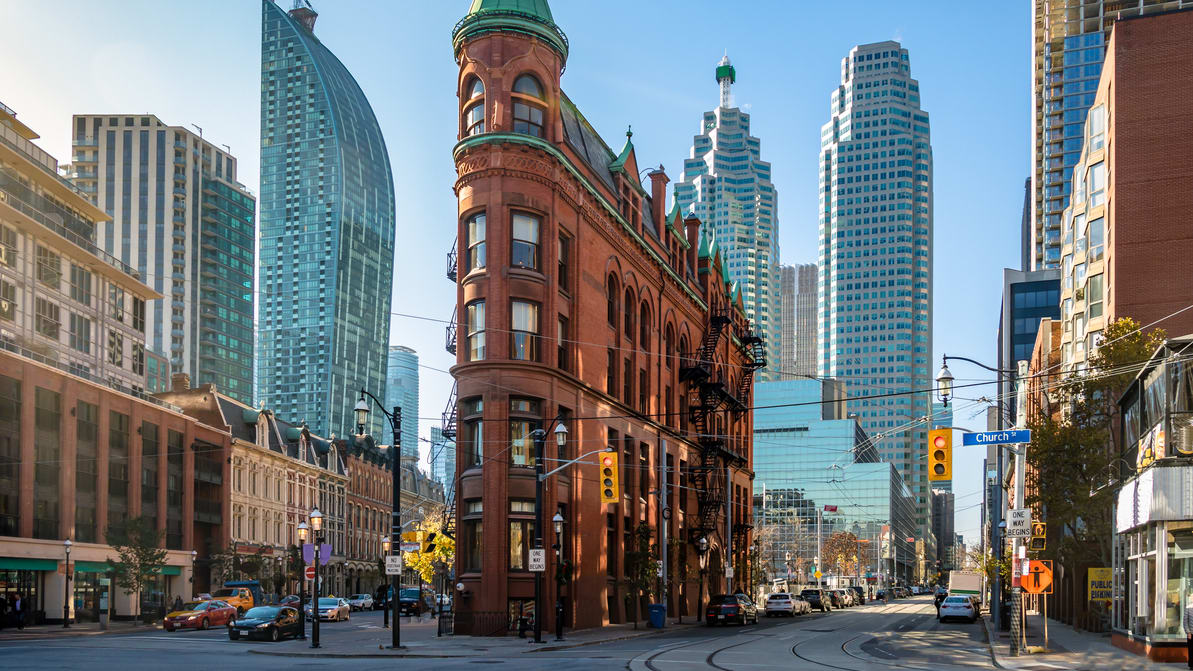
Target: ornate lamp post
{"x": 395, "y": 423}
{"x": 303, "y": 532}
{"x": 558, "y": 523}
{"x": 385, "y": 553}
{"x": 316, "y": 518}
{"x": 66, "y": 587}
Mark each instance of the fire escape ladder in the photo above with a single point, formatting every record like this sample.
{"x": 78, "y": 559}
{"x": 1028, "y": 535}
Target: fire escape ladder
{"x": 449, "y": 415}
{"x": 756, "y": 349}
{"x": 450, "y": 343}
{"x": 706, "y": 395}
{"x": 452, "y": 262}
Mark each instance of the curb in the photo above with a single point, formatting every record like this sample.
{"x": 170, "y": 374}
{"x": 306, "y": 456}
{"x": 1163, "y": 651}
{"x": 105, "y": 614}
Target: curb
{"x": 990, "y": 636}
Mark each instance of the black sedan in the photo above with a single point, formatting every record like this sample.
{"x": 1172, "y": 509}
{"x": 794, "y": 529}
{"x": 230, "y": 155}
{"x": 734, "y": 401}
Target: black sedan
{"x": 730, "y": 607}
{"x": 272, "y": 623}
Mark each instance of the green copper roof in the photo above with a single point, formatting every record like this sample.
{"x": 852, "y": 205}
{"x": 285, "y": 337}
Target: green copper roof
{"x": 529, "y": 17}
{"x": 618, "y": 164}
{"x": 724, "y": 270}
{"x": 726, "y": 71}
{"x": 705, "y": 250}
{"x": 735, "y": 292}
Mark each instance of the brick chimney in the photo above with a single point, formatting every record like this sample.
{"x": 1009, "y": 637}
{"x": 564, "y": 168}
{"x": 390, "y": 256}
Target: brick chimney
{"x": 180, "y": 382}
{"x": 658, "y": 199}
{"x": 692, "y": 228}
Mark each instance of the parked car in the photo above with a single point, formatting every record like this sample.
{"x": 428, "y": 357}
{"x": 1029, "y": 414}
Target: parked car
{"x": 272, "y": 623}
{"x": 727, "y": 608}
{"x": 415, "y": 601}
{"x": 332, "y": 609}
{"x": 859, "y": 594}
{"x": 361, "y": 601}
{"x": 958, "y": 607}
{"x": 835, "y": 598}
{"x": 846, "y": 597}
{"x": 291, "y": 600}
{"x": 817, "y": 599}
{"x": 781, "y": 603}
{"x": 200, "y": 615}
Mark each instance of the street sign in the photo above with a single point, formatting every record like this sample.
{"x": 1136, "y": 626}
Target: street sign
{"x": 817, "y": 574}
{"x": 728, "y": 571}
{"x": 1100, "y": 587}
{"x": 308, "y": 553}
{"x": 1019, "y": 523}
{"x": 1039, "y": 528}
{"x": 310, "y": 572}
{"x": 1038, "y": 536}
{"x": 830, "y": 509}
{"x": 996, "y": 437}
{"x": 393, "y": 564}
{"x": 538, "y": 560}
{"x": 408, "y": 546}
{"x": 1038, "y": 579}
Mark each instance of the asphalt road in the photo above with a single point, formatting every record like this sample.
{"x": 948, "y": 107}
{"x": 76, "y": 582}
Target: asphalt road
{"x": 903, "y": 635}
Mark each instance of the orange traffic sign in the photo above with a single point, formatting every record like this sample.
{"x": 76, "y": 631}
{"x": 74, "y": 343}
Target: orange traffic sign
{"x": 1039, "y": 577}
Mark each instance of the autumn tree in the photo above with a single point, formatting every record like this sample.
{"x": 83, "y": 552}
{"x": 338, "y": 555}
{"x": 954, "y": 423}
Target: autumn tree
{"x": 427, "y": 564}
{"x": 1075, "y": 447}
{"x": 842, "y": 552}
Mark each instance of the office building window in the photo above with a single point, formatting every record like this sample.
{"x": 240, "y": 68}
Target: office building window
{"x": 80, "y": 333}
{"x": 138, "y": 314}
{"x": 80, "y": 284}
{"x": 86, "y": 470}
{"x": 476, "y": 330}
{"x": 525, "y": 250}
{"x": 46, "y": 319}
{"x": 8, "y": 301}
{"x": 8, "y": 247}
{"x": 10, "y": 455}
{"x": 49, "y": 268}
{"x": 1094, "y": 296}
{"x": 116, "y": 302}
{"x": 118, "y": 436}
{"x": 524, "y": 329}
{"x": 1097, "y": 239}
{"x": 476, "y": 241}
{"x": 1097, "y": 184}
{"x": 47, "y": 451}
{"x": 115, "y": 347}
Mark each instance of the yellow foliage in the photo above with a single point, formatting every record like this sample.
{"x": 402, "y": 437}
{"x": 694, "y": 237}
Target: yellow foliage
{"x": 428, "y": 563}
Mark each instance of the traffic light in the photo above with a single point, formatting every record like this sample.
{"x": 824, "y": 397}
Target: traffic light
{"x": 610, "y": 479}
{"x": 940, "y": 454}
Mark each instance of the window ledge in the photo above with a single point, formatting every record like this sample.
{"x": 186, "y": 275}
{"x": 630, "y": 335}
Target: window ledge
{"x": 527, "y": 273}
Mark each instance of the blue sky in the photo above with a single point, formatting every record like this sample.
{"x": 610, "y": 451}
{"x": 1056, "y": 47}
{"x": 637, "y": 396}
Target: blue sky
{"x": 649, "y": 64}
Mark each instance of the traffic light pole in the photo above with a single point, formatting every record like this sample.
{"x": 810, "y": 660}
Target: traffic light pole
{"x": 539, "y": 439}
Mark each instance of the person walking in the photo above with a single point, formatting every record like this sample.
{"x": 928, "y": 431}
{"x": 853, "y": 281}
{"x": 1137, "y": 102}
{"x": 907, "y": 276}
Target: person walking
{"x": 18, "y": 611}
{"x": 1187, "y": 622}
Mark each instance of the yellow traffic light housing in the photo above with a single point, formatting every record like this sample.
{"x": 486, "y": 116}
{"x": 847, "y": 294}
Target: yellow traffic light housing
{"x": 940, "y": 454}
{"x": 610, "y": 478}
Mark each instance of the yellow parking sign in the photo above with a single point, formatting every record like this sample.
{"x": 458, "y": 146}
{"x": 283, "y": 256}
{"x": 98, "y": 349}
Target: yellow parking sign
{"x": 1100, "y": 584}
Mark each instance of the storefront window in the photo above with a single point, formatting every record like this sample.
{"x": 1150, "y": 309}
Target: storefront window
{"x": 27, "y": 585}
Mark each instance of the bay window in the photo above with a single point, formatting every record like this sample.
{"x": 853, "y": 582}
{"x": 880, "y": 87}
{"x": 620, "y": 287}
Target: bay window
{"x": 524, "y": 330}
{"x": 525, "y": 243}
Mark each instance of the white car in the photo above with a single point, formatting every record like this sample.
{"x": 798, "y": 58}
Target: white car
{"x": 781, "y": 603}
{"x": 361, "y": 601}
{"x": 959, "y": 607}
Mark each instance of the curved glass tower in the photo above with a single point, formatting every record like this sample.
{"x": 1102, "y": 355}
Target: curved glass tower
{"x": 327, "y": 231}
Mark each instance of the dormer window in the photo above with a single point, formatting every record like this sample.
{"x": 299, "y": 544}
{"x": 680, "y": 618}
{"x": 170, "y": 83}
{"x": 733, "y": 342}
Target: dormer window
{"x": 474, "y": 109}
{"x": 528, "y": 116}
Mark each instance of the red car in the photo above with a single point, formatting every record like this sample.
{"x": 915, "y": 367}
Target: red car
{"x": 200, "y": 615}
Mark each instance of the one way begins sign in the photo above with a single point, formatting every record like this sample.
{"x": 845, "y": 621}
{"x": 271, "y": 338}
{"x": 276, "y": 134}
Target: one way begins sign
{"x": 1019, "y": 523}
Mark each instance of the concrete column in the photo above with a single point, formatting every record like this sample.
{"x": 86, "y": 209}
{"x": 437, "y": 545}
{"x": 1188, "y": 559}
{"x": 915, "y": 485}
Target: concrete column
{"x": 54, "y": 594}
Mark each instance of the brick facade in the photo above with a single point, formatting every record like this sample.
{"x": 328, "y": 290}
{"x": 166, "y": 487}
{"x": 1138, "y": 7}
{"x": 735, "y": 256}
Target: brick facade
{"x": 610, "y": 340}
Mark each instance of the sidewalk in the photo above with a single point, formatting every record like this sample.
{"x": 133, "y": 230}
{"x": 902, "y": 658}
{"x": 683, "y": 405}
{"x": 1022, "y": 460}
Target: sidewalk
{"x": 49, "y": 631}
{"x": 420, "y": 640}
{"x": 1068, "y": 648}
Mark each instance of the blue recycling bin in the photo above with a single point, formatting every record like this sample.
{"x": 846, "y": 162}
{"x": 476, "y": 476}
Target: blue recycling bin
{"x": 658, "y": 612}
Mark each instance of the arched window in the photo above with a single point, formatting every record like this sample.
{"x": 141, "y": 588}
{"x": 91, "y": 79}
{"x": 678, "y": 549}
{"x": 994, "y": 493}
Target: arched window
{"x": 611, "y": 292}
{"x": 644, "y": 327}
{"x": 629, "y": 314}
{"x": 474, "y": 108}
{"x": 528, "y": 85}
{"x": 528, "y": 116}
{"x": 668, "y": 346}
{"x": 683, "y": 349}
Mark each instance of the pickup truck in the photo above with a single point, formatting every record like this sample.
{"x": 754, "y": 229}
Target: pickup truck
{"x": 243, "y": 594}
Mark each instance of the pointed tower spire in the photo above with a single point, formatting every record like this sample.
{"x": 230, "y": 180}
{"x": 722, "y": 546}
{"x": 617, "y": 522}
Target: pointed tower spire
{"x": 726, "y": 77}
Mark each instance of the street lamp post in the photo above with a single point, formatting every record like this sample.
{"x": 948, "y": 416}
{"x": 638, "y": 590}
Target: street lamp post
{"x": 395, "y": 423}
{"x": 558, "y": 522}
{"x": 66, "y": 587}
{"x": 384, "y": 553}
{"x": 702, "y": 553}
{"x": 316, "y": 526}
{"x": 944, "y": 390}
{"x": 302, "y": 581}
{"x": 540, "y": 439}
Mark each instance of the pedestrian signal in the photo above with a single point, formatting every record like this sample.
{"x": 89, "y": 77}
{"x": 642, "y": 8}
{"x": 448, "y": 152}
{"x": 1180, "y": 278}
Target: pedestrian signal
{"x": 940, "y": 454}
{"x": 610, "y": 483}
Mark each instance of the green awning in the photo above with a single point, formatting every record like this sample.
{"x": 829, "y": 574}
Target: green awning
{"x": 102, "y": 567}
{"x": 27, "y": 564}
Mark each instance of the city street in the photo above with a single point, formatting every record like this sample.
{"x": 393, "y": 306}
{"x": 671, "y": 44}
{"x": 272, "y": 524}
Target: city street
{"x": 903, "y": 635}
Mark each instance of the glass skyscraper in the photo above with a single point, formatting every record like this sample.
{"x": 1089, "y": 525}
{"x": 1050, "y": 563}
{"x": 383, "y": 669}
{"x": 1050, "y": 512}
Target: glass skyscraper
{"x": 181, "y": 218}
{"x": 727, "y": 185}
{"x": 1068, "y": 47}
{"x": 809, "y": 454}
{"x": 443, "y": 462}
{"x": 327, "y": 231}
{"x": 401, "y": 391}
{"x": 876, "y": 255}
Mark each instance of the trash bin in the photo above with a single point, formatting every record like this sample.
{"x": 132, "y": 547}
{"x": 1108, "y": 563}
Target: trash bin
{"x": 658, "y": 613}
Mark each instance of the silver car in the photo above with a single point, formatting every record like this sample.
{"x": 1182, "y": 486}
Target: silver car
{"x": 361, "y": 601}
{"x": 332, "y": 609}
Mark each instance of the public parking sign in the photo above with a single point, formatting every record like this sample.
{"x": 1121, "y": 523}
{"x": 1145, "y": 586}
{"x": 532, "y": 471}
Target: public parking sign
{"x": 996, "y": 437}
{"x": 1019, "y": 523}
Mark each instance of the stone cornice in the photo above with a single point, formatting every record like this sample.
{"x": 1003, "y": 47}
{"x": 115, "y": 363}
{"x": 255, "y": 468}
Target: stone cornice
{"x": 467, "y": 167}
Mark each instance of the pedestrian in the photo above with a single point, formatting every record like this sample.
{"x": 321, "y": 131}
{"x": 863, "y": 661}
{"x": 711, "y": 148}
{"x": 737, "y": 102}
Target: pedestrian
{"x": 1187, "y": 622}
{"x": 18, "y": 611}
{"x": 177, "y": 603}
